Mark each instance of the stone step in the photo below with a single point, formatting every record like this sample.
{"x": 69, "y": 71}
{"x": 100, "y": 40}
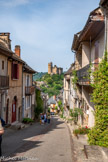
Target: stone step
{"x": 17, "y": 125}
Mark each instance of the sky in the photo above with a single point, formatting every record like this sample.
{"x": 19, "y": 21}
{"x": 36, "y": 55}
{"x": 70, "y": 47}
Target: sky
{"x": 44, "y": 29}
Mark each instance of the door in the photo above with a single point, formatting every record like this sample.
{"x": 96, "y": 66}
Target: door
{"x": 14, "y": 111}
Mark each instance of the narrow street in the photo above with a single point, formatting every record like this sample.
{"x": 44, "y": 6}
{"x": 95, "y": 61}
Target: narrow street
{"x": 42, "y": 143}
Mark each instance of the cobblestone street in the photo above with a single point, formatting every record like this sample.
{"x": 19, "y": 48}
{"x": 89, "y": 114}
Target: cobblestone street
{"x": 48, "y": 143}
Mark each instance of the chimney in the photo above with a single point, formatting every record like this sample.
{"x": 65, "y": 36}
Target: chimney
{"x": 17, "y": 50}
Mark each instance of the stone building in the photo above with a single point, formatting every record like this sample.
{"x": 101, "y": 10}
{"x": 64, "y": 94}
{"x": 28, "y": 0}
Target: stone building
{"x": 88, "y": 45}
{"x": 28, "y": 92}
{"x": 55, "y": 69}
{"x": 12, "y": 81}
{"x": 15, "y": 66}
{"x": 69, "y": 93}
{"x": 4, "y": 78}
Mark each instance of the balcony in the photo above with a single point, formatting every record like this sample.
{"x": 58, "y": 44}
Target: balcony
{"x": 29, "y": 90}
{"x": 4, "y": 82}
{"x": 84, "y": 75}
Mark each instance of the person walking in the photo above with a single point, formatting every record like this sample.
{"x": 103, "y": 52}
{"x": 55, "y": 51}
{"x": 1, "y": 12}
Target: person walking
{"x": 45, "y": 118}
{"x": 2, "y": 124}
{"x": 48, "y": 117}
{"x": 42, "y": 119}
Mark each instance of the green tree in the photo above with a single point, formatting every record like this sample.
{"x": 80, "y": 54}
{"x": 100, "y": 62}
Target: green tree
{"x": 39, "y": 103}
{"x": 99, "y": 133}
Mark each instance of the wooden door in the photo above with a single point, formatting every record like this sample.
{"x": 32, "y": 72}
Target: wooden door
{"x": 14, "y": 111}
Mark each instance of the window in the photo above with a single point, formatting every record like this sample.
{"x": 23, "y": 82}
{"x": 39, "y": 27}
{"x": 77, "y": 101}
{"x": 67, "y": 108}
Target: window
{"x": 28, "y": 101}
{"x": 27, "y": 80}
{"x": 2, "y": 65}
{"x": 15, "y": 70}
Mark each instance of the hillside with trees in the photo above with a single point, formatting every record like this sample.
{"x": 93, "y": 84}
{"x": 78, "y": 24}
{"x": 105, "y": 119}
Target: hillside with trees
{"x": 38, "y": 76}
{"x": 54, "y": 84}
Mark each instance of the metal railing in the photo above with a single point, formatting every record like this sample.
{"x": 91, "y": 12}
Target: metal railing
{"x": 29, "y": 90}
{"x": 84, "y": 75}
{"x": 4, "y": 82}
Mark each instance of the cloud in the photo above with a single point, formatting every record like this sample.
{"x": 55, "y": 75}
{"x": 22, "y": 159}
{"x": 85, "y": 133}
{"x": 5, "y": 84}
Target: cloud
{"x": 13, "y": 3}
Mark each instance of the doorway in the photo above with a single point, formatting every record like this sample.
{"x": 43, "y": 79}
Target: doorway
{"x": 14, "y": 109}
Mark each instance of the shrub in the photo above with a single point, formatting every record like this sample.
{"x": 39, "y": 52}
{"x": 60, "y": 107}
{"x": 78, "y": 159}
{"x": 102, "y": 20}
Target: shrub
{"x": 39, "y": 102}
{"x": 27, "y": 120}
{"x": 61, "y": 115}
{"x": 74, "y": 113}
{"x": 99, "y": 134}
{"x": 83, "y": 130}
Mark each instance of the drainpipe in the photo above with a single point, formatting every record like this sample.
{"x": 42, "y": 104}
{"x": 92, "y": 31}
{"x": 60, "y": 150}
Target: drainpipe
{"x": 90, "y": 51}
{"x": 22, "y": 95}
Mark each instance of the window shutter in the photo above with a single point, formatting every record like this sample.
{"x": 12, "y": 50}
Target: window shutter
{"x": 12, "y": 70}
{"x": 17, "y": 71}
{"x": 96, "y": 61}
{"x": 97, "y": 52}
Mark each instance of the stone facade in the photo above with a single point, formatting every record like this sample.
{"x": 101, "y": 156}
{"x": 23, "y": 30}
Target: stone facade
{"x": 12, "y": 82}
{"x": 55, "y": 69}
{"x": 89, "y": 46}
{"x": 4, "y": 78}
{"x": 28, "y": 93}
{"x": 15, "y": 94}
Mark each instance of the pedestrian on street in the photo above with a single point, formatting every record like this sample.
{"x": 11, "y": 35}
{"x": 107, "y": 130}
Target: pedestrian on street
{"x": 48, "y": 117}
{"x": 42, "y": 118}
{"x": 45, "y": 118}
{"x": 2, "y": 124}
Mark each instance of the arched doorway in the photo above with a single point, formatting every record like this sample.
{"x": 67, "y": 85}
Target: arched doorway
{"x": 14, "y": 109}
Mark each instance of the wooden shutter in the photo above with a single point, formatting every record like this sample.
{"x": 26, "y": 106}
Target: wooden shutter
{"x": 97, "y": 52}
{"x": 12, "y": 70}
{"x": 96, "y": 61}
{"x": 17, "y": 71}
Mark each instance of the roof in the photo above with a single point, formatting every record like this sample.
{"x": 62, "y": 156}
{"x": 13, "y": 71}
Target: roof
{"x": 75, "y": 40}
{"x": 9, "y": 53}
{"x": 28, "y": 69}
{"x": 12, "y": 56}
{"x": 51, "y": 101}
{"x": 5, "y": 51}
{"x": 90, "y": 30}
{"x": 69, "y": 71}
{"x": 102, "y": 2}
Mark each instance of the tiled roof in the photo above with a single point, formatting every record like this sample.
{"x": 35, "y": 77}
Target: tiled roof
{"x": 28, "y": 69}
{"x": 9, "y": 53}
{"x": 69, "y": 71}
{"x": 103, "y": 2}
{"x": 51, "y": 101}
{"x": 96, "y": 18}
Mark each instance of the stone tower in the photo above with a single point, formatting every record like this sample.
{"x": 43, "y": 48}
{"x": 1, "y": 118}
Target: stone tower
{"x": 60, "y": 71}
{"x": 50, "y": 68}
{"x": 55, "y": 70}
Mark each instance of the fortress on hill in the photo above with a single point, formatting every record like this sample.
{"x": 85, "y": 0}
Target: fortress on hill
{"x": 55, "y": 69}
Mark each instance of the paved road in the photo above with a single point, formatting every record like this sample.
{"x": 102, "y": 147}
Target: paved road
{"x": 40, "y": 143}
